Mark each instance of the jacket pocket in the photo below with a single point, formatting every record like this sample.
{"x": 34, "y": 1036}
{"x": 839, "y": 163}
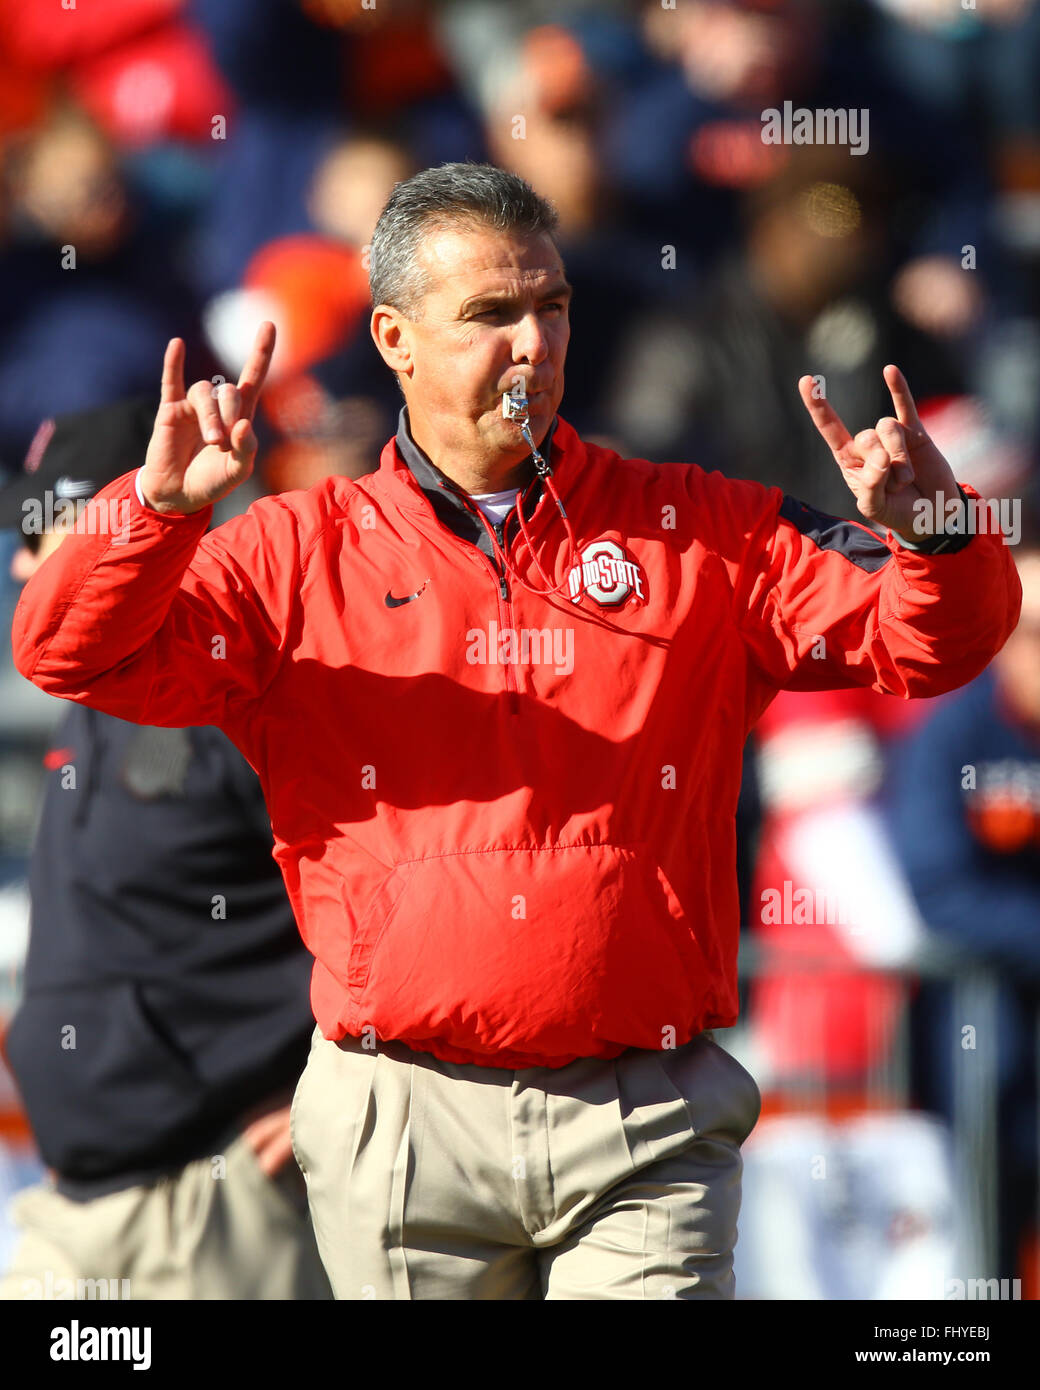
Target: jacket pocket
{"x": 378, "y": 916}
{"x": 555, "y": 951}
{"x": 721, "y": 1095}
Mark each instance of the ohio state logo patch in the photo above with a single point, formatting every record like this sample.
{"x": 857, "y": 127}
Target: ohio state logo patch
{"x": 607, "y": 575}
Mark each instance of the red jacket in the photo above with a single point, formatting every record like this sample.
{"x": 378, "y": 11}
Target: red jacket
{"x": 510, "y": 850}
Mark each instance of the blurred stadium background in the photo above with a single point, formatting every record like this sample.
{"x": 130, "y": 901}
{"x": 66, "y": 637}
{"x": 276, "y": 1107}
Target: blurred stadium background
{"x": 174, "y": 168}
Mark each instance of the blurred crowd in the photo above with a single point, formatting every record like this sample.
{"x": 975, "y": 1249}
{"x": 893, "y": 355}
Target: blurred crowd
{"x": 190, "y": 167}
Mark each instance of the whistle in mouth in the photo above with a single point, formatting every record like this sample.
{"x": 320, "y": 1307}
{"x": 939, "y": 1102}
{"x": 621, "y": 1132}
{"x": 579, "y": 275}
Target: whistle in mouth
{"x": 514, "y": 407}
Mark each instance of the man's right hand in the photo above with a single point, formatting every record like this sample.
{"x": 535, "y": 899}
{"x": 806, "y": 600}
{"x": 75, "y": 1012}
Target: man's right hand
{"x": 203, "y": 443}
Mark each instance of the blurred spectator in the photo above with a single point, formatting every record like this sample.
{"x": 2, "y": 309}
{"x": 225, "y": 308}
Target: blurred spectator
{"x": 984, "y": 55}
{"x": 352, "y": 183}
{"x": 544, "y": 122}
{"x": 328, "y": 399}
{"x": 67, "y": 187}
{"x": 298, "y": 73}
{"x": 830, "y": 907}
{"x": 966, "y": 825}
{"x": 687, "y": 141}
{"x": 165, "y": 1017}
{"x": 714, "y": 381}
{"x": 86, "y": 288}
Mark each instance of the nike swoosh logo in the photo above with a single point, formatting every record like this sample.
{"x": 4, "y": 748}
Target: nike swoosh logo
{"x": 392, "y": 602}
{"x": 73, "y": 488}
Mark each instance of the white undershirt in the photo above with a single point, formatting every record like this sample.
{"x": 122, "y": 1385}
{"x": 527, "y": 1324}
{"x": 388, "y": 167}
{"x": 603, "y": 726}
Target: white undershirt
{"x": 496, "y": 505}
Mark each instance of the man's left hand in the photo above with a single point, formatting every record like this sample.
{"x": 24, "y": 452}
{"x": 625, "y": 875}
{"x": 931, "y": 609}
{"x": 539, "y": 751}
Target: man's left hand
{"x": 891, "y": 467}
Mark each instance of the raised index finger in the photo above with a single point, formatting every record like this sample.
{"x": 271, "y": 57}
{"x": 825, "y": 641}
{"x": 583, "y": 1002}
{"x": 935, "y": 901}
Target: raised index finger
{"x": 906, "y": 410}
{"x": 824, "y": 416}
{"x": 251, "y": 382}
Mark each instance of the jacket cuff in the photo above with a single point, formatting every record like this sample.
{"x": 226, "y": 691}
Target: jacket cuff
{"x": 146, "y": 509}
{"x": 942, "y": 543}
{"x": 140, "y": 495}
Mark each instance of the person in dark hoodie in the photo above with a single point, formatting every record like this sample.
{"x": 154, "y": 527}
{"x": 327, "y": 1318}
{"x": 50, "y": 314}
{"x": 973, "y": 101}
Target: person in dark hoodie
{"x": 165, "y": 1017}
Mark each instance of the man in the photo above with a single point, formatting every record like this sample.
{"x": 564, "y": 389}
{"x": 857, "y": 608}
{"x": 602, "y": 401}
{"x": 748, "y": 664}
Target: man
{"x": 502, "y": 757}
{"x": 165, "y": 1018}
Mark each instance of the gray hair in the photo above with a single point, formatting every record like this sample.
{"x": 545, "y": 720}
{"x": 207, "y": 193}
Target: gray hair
{"x": 478, "y": 195}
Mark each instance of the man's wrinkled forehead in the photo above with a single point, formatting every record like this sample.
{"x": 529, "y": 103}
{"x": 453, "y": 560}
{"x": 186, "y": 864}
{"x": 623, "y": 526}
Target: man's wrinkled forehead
{"x": 460, "y": 262}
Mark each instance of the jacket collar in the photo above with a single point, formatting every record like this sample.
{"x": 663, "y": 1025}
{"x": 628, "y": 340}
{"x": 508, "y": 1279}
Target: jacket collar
{"x": 447, "y": 499}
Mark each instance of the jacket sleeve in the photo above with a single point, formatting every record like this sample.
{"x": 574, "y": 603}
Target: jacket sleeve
{"x": 823, "y": 603}
{"x": 144, "y": 616}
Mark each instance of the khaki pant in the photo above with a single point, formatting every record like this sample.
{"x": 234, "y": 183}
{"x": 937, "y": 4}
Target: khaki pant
{"x": 193, "y": 1235}
{"x": 601, "y": 1179}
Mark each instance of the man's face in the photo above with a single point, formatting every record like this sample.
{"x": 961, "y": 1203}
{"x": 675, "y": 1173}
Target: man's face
{"x": 495, "y": 312}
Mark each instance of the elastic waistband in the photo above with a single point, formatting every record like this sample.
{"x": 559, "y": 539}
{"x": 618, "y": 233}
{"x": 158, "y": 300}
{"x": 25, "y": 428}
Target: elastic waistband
{"x": 401, "y": 1052}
